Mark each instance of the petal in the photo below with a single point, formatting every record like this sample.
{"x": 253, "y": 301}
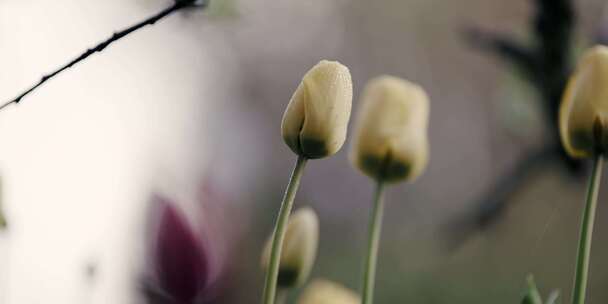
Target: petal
{"x": 181, "y": 263}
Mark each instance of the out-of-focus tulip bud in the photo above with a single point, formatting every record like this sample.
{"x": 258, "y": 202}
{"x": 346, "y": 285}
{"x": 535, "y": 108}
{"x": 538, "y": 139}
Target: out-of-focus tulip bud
{"x": 316, "y": 119}
{"x": 3, "y": 223}
{"x": 181, "y": 264}
{"x": 326, "y": 292}
{"x": 299, "y": 248}
{"x": 391, "y": 141}
{"x": 583, "y": 115}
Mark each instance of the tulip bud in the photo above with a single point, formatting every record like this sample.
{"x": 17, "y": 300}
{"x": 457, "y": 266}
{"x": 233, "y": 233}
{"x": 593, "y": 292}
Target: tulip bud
{"x": 391, "y": 135}
{"x": 299, "y": 248}
{"x": 315, "y": 121}
{"x": 3, "y": 223}
{"x": 327, "y": 292}
{"x": 181, "y": 263}
{"x": 583, "y": 115}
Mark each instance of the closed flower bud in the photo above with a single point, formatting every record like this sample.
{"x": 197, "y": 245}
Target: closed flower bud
{"x": 180, "y": 259}
{"x": 391, "y": 134}
{"x": 299, "y": 248}
{"x": 3, "y": 223}
{"x": 315, "y": 121}
{"x": 583, "y": 116}
{"x": 327, "y": 292}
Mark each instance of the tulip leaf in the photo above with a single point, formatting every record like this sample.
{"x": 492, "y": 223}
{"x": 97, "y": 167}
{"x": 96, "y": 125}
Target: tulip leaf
{"x": 532, "y": 295}
{"x": 553, "y": 296}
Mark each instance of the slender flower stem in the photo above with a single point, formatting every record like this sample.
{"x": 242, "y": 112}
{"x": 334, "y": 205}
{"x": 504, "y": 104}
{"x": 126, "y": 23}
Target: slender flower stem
{"x": 375, "y": 227}
{"x": 584, "y": 246}
{"x": 278, "y": 235}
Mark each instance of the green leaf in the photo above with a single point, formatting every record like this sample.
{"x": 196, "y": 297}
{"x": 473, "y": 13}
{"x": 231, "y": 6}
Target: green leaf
{"x": 532, "y": 295}
{"x": 553, "y": 296}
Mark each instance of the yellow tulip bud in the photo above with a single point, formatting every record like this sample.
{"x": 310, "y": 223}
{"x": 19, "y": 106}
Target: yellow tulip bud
{"x": 326, "y": 292}
{"x": 299, "y": 248}
{"x": 315, "y": 121}
{"x": 583, "y": 114}
{"x": 391, "y": 135}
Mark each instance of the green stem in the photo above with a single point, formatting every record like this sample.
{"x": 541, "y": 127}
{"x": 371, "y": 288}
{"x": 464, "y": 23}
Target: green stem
{"x": 584, "y": 246}
{"x": 375, "y": 227}
{"x": 272, "y": 273}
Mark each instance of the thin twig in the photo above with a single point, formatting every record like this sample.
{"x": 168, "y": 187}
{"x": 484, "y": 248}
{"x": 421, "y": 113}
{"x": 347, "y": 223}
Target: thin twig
{"x": 178, "y": 5}
{"x": 492, "y": 205}
{"x": 505, "y": 47}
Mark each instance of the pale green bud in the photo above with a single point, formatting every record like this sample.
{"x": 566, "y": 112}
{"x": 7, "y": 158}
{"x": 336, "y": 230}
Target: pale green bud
{"x": 391, "y": 141}
{"x": 326, "y": 292}
{"x": 316, "y": 119}
{"x": 3, "y": 223}
{"x": 583, "y": 115}
{"x": 299, "y": 248}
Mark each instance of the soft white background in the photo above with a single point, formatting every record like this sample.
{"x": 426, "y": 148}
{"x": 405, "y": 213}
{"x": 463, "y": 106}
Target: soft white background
{"x": 80, "y": 156}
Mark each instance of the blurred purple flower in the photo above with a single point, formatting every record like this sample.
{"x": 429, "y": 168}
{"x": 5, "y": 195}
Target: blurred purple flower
{"x": 180, "y": 259}
{"x": 194, "y": 262}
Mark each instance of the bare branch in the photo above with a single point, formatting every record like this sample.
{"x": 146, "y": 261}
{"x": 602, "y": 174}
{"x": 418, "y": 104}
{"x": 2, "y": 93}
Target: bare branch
{"x": 505, "y": 47}
{"x": 492, "y": 204}
{"x": 178, "y": 5}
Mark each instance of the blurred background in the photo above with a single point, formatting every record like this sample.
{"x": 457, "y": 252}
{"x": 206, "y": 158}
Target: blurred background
{"x": 190, "y": 109}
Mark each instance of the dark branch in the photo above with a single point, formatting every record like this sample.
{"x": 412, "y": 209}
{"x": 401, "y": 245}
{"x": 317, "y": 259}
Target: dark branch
{"x": 492, "y": 205}
{"x": 178, "y": 5}
{"x": 546, "y": 65}
{"x": 553, "y": 27}
{"x": 504, "y": 47}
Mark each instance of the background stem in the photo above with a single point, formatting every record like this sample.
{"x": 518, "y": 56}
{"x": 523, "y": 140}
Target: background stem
{"x": 278, "y": 235}
{"x": 375, "y": 227}
{"x": 584, "y": 246}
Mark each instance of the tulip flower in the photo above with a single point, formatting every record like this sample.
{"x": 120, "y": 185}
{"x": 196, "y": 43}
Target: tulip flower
{"x": 584, "y": 109}
{"x": 180, "y": 261}
{"x": 299, "y": 248}
{"x": 390, "y": 140}
{"x": 390, "y": 145}
{"x": 584, "y": 132}
{"x": 326, "y": 292}
{"x": 315, "y": 122}
{"x": 314, "y": 126}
